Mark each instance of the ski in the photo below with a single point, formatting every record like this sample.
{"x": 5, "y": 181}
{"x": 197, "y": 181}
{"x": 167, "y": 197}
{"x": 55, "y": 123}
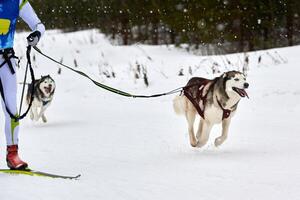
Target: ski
{"x": 31, "y": 172}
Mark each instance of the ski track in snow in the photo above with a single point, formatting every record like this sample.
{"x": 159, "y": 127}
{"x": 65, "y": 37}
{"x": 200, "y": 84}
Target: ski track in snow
{"x": 138, "y": 148}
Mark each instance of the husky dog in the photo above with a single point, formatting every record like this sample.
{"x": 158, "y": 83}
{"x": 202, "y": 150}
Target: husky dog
{"x": 214, "y": 100}
{"x": 43, "y": 94}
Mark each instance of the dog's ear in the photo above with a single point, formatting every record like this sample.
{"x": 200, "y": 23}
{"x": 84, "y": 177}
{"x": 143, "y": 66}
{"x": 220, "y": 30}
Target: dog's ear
{"x": 226, "y": 76}
{"x": 230, "y": 75}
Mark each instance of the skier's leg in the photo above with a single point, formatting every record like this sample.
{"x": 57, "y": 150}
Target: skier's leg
{"x": 9, "y": 84}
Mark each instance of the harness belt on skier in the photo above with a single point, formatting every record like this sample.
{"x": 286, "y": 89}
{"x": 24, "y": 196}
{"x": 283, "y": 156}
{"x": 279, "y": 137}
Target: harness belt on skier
{"x": 7, "y": 55}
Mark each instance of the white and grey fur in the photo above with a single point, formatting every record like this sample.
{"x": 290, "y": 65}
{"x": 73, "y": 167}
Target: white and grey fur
{"x": 44, "y": 89}
{"x": 222, "y": 88}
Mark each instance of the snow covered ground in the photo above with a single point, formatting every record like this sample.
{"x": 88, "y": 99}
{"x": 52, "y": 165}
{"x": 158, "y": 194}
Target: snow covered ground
{"x": 138, "y": 148}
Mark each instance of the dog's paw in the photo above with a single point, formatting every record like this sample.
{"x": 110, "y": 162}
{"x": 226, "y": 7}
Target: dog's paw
{"x": 200, "y": 144}
{"x": 31, "y": 116}
{"x": 219, "y": 141}
{"x": 194, "y": 143}
{"x": 44, "y": 119}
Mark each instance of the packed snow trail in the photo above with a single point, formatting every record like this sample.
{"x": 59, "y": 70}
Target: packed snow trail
{"x": 138, "y": 148}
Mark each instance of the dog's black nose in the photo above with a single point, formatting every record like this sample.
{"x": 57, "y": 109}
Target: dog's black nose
{"x": 246, "y": 85}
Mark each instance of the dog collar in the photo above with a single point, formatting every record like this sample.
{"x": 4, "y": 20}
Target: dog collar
{"x": 226, "y": 112}
{"x": 45, "y": 102}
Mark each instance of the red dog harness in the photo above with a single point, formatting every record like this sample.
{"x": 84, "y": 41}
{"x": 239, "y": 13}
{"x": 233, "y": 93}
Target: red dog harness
{"x": 197, "y": 93}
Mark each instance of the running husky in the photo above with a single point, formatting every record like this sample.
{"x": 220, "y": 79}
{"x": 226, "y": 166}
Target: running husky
{"x": 214, "y": 100}
{"x": 43, "y": 94}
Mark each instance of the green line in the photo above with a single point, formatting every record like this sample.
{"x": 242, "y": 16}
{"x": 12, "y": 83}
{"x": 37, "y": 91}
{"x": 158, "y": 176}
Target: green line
{"x": 85, "y": 75}
{"x": 106, "y": 87}
{"x": 36, "y": 173}
{"x": 23, "y": 172}
{"x": 23, "y": 4}
{"x": 13, "y": 125}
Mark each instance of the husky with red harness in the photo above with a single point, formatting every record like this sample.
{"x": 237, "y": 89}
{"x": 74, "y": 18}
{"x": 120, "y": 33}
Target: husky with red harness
{"x": 10, "y": 11}
{"x": 214, "y": 100}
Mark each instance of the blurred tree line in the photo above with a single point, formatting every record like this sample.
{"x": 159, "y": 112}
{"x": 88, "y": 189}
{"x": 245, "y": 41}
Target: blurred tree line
{"x": 234, "y": 25}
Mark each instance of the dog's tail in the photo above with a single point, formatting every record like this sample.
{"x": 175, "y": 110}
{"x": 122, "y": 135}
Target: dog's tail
{"x": 179, "y": 104}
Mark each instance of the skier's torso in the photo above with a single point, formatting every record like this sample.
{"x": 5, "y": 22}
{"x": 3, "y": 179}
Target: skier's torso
{"x": 9, "y": 13}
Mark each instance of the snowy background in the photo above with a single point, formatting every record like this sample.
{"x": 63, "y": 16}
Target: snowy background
{"x": 138, "y": 148}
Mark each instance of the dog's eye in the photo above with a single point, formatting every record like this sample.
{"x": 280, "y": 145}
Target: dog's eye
{"x": 236, "y": 79}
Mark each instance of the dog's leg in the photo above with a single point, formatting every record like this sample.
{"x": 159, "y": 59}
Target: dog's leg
{"x": 190, "y": 117}
{"x": 35, "y": 113}
{"x": 31, "y": 114}
{"x": 203, "y": 133}
{"x": 198, "y": 136}
{"x": 41, "y": 114}
{"x": 223, "y": 137}
{"x": 44, "y": 118}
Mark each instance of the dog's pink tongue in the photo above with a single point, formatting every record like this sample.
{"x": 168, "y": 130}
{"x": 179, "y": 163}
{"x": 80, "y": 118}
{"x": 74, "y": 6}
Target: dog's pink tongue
{"x": 244, "y": 93}
{"x": 48, "y": 89}
{"x": 241, "y": 92}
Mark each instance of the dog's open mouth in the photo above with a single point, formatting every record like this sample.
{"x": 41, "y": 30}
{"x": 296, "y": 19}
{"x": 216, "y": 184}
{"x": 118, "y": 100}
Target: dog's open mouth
{"x": 48, "y": 89}
{"x": 241, "y": 92}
